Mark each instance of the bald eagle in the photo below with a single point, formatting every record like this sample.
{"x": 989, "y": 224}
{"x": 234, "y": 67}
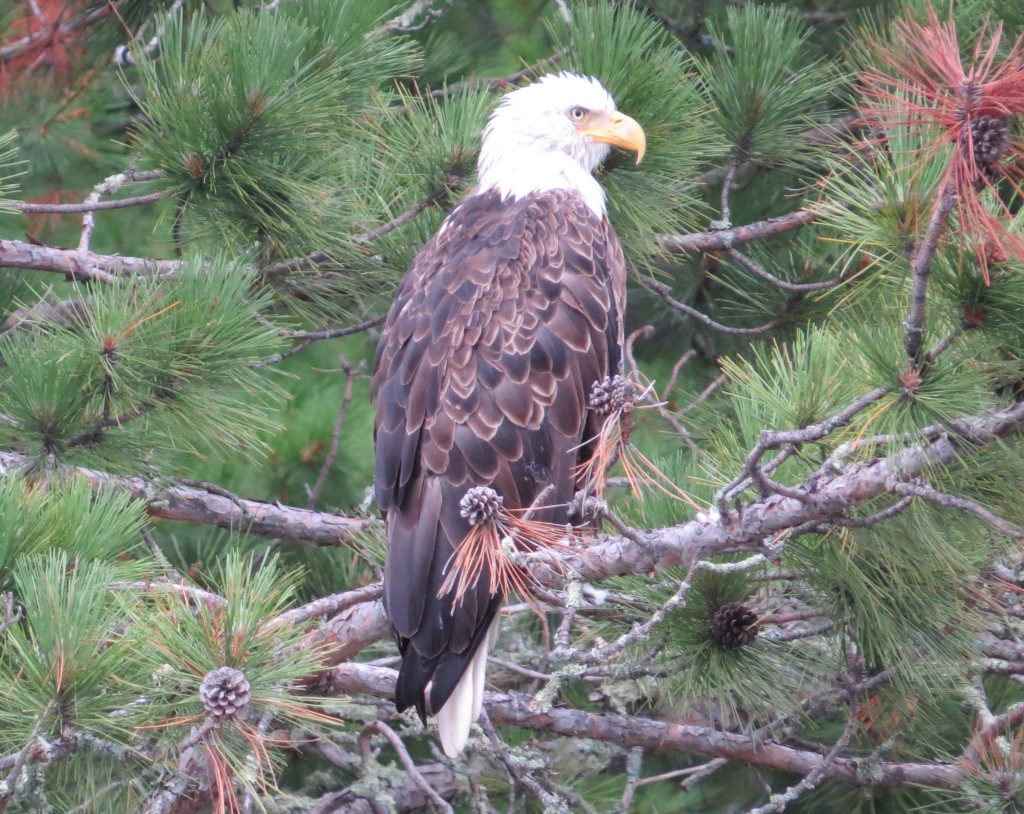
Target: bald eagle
{"x": 501, "y": 328}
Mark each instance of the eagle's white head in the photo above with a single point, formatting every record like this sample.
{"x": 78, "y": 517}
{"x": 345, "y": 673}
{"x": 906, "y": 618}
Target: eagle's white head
{"x": 553, "y": 134}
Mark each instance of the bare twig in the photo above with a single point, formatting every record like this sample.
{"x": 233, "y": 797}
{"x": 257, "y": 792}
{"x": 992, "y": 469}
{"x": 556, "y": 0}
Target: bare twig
{"x": 192, "y": 593}
{"x": 929, "y": 493}
{"x": 339, "y": 424}
{"x": 400, "y": 220}
{"x": 76, "y": 264}
{"x": 873, "y": 519}
{"x": 646, "y": 332}
{"x": 438, "y": 802}
{"x": 670, "y": 385}
{"x": 722, "y": 239}
{"x": 496, "y": 83}
{"x": 778, "y": 802}
{"x": 634, "y": 765}
{"x": 13, "y": 612}
{"x": 125, "y": 56}
{"x": 921, "y": 269}
{"x": 520, "y": 774}
{"x": 703, "y": 395}
{"x": 726, "y": 211}
{"x": 333, "y": 333}
{"x": 108, "y": 186}
{"x": 77, "y": 209}
{"x": 318, "y": 258}
{"x": 665, "y": 292}
{"x": 641, "y": 631}
{"x": 106, "y": 422}
{"x": 16, "y": 48}
{"x": 689, "y": 771}
{"x": 795, "y": 288}
{"x": 325, "y": 605}
{"x": 771, "y": 439}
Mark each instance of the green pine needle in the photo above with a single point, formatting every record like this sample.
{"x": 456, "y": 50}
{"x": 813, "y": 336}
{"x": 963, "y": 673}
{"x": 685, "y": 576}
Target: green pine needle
{"x": 73, "y": 656}
{"x": 11, "y": 167}
{"x": 767, "y": 96}
{"x": 159, "y": 365}
{"x": 66, "y": 517}
{"x": 185, "y": 641}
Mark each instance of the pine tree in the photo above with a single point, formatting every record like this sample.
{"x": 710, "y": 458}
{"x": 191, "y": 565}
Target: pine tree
{"x": 805, "y": 593}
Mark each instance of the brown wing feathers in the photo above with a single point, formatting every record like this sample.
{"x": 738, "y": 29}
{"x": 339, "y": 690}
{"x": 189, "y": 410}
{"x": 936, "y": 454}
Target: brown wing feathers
{"x": 499, "y": 330}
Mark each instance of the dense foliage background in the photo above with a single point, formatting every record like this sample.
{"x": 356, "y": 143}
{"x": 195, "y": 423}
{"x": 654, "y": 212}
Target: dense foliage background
{"x": 808, "y": 601}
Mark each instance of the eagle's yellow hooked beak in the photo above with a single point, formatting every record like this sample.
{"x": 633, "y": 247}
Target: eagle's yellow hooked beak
{"x": 616, "y": 129}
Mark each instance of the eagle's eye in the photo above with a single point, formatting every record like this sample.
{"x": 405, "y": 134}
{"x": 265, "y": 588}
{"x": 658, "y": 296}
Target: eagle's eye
{"x": 577, "y": 113}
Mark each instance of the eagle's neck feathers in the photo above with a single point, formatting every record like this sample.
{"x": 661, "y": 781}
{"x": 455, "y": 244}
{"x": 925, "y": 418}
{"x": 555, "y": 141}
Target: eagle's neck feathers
{"x": 515, "y": 172}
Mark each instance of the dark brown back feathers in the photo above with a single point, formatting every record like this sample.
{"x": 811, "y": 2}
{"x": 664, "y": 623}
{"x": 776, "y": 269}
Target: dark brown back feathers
{"x": 498, "y": 332}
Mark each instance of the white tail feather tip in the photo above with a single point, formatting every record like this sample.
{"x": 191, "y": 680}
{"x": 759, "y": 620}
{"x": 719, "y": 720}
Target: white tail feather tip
{"x": 463, "y": 706}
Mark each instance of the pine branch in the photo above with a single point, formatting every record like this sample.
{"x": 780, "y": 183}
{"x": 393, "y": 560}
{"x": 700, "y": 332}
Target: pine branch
{"x": 922, "y": 490}
{"x": 339, "y": 424}
{"x": 206, "y": 507}
{"x": 778, "y": 802}
{"x": 515, "y": 709}
{"x": 76, "y": 264}
{"x": 403, "y": 755}
{"x": 708, "y": 534}
{"x": 76, "y": 209}
{"x": 711, "y": 534}
{"x": 665, "y": 293}
{"x": 795, "y": 288}
{"x": 723, "y": 239}
{"x": 921, "y": 269}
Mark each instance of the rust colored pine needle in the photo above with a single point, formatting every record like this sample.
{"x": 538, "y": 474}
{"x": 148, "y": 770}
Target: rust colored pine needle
{"x": 924, "y": 85}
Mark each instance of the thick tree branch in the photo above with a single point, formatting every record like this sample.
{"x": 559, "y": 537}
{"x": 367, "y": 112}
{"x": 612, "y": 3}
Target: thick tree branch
{"x": 520, "y": 710}
{"x": 707, "y": 534}
{"x": 76, "y": 264}
{"x": 206, "y": 507}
